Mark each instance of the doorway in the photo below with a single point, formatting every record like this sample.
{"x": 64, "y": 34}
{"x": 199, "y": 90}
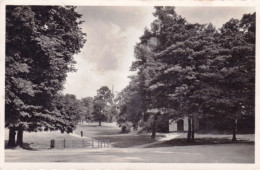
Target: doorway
{"x": 180, "y": 125}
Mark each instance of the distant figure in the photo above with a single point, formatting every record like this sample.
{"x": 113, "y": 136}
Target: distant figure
{"x": 81, "y": 133}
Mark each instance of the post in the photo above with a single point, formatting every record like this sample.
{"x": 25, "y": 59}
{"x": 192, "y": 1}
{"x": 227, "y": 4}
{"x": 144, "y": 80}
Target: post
{"x": 192, "y": 128}
{"x": 234, "y": 130}
{"x": 64, "y": 143}
{"x": 51, "y": 144}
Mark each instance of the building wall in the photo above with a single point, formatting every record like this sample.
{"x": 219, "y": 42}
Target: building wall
{"x": 173, "y": 125}
{"x": 186, "y": 125}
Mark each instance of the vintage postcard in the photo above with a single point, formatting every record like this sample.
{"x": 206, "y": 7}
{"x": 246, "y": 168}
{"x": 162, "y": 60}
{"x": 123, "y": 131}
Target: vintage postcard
{"x": 129, "y": 84}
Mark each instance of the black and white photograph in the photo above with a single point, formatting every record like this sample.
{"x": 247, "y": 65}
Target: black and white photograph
{"x": 130, "y": 84}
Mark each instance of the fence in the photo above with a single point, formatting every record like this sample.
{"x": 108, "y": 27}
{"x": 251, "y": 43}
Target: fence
{"x": 81, "y": 143}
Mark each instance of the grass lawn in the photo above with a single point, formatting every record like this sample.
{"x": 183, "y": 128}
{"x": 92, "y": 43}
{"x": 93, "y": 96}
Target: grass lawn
{"x": 112, "y": 133}
{"x": 107, "y": 132}
{"x": 170, "y": 148}
{"x": 41, "y": 140}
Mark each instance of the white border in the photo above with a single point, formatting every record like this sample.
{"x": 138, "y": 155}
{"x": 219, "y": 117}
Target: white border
{"x": 141, "y": 166}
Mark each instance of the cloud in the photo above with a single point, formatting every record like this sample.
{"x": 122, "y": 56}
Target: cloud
{"x": 112, "y": 33}
{"x": 215, "y": 15}
{"x": 108, "y": 53}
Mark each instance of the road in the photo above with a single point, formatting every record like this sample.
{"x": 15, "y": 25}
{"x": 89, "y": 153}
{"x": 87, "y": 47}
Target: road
{"x": 221, "y": 153}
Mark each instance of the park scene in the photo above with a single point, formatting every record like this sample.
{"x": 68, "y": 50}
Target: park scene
{"x": 101, "y": 84}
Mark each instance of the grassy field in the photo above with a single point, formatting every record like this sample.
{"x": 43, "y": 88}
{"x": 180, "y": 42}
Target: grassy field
{"x": 41, "y": 140}
{"x": 112, "y": 133}
{"x": 107, "y": 132}
{"x": 170, "y": 148}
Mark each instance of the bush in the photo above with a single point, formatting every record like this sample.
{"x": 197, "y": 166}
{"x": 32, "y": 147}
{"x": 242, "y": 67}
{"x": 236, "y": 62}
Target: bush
{"x": 124, "y": 124}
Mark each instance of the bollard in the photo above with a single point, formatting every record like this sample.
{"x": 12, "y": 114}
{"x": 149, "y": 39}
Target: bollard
{"x": 52, "y": 143}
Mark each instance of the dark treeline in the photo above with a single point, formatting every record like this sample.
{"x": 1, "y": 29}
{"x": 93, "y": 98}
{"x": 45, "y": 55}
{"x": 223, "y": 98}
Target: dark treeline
{"x": 188, "y": 70}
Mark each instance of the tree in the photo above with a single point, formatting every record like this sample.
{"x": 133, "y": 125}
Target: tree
{"x": 236, "y": 67}
{"x": 40, "y": 44}
{"x": 129, "y": 103}
{"x": 102, "y": 101}
{"x": 194, "y": 70}
{"x": 89, "y": 104}
{"x": 68, "y": 110}
{"x": 159, "y": 53}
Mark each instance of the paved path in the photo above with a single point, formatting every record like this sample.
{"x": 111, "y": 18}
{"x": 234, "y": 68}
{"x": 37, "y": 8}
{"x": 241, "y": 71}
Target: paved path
{"x": 222, "y": 153}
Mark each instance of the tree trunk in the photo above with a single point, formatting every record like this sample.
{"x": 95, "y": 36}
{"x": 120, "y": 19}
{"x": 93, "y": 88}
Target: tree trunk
{"x": 11, "y": 141}
{"x": 234, "y": 130}
{"x": 154, "y": 128}
{"x": 192, "y": 128}
{"x": 189, "y": 130}
{"x": 19, "y": 141}
{"x": 100, "y": 117}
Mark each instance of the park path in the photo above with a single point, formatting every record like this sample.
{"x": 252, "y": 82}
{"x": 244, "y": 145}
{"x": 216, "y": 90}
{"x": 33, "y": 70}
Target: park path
{"x": 160, "y": 140}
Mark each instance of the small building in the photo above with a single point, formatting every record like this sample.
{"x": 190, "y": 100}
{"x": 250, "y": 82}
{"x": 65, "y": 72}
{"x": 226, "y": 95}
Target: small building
{"x": 181, "y": 125}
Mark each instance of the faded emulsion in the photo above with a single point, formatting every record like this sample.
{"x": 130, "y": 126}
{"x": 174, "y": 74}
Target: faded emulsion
{"x": 133, "y": 84}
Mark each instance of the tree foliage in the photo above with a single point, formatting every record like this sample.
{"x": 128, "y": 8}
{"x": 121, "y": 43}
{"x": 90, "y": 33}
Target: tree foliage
{"x": 129, "y": 103}
{"x": 103, "y": 102}
{"x": 40, "y": 44}
{"x": 88, "y": 102}
{"x": 195, "y": 70}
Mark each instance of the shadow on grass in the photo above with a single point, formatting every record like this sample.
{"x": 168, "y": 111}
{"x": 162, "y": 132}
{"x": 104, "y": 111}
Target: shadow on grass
{"x": 126, "y": 141}
{"x": 26, "y": 146}
{"x": 93, "y": 125}
{"x": 199, "y": 141}
{"x": 95, "y": 130}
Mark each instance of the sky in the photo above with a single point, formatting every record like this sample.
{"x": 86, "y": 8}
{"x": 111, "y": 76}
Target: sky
{"x": 112, "y": 33}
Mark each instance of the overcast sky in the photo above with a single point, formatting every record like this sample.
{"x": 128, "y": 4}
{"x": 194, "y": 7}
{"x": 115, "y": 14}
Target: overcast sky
{"x": 112, "y": 33}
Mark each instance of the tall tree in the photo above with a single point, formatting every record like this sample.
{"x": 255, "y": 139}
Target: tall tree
{"x": 89, "y": 104}
{"x": 40, "y": 44}
{"x": 67, "y": 110}
{"x": 237, "y": 68}
{"x": 194, "y": 70}
{"x": 159, "y": 54}
{"x": 129, "y": 103}
{"x": 102, "y": 102}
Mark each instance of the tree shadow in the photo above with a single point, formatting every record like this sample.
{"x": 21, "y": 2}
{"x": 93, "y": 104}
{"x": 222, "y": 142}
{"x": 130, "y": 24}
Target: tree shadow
{"x": 199, "y": 141}
{"x": 126, "y": 141}
{"x": 26, "y": 146}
